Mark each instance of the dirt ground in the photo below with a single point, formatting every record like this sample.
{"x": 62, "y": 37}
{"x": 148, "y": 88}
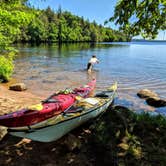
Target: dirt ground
{"x": 11, "y": 101}
{"x": 24, "y": 152}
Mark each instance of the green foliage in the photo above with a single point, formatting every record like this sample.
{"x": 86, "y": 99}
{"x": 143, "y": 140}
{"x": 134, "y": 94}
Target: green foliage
{"x": 21, "y": 23}
{"x": 128, "y": 138}
{"x": 6, "y": 67}
{"x": 145, "y": 17}
{"x": 13, "y": 16}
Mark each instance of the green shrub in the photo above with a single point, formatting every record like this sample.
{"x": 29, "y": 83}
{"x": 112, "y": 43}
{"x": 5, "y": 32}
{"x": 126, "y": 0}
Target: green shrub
{"x": 6, "y": 67}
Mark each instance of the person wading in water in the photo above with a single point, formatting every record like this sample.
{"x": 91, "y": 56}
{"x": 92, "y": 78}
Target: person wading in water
{"x": 91, "y": 62}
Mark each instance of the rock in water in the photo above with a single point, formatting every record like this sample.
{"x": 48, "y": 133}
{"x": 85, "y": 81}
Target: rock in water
{"x": 146, "y": 93}
{"x": 156, "y": 102}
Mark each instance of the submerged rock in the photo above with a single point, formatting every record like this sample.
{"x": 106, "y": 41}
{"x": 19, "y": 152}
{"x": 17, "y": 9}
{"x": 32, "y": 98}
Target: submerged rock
{"x": 146, "y": 93}
{"x": 161, "y": 110}
{"x": 122, "y": 108}
{"x": 18, "y": 87}
{"x": 151, "y": 98}
{"x": 156, "y": 102}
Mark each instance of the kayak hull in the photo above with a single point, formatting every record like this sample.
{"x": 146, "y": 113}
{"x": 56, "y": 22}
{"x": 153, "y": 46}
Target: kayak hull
{"x": 56, "y": 127}
{"x": 52, "y": 106}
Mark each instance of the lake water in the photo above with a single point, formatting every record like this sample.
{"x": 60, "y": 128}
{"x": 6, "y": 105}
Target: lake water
{"x": 135, "y": 65}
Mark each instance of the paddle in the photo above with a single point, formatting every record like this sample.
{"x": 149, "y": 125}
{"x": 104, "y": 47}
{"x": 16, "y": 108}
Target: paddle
{"x": 78, "y": 98}
{"x": 75, "y": 110}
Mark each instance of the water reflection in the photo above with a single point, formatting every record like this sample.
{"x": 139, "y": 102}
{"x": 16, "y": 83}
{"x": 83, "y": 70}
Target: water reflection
{"x": 48, "y": 68}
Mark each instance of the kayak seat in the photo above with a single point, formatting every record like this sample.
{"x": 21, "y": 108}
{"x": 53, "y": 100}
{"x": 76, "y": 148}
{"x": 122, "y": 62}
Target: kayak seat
{"x": 74, "y": 110}
{"x": 102, "y": 95}
{"x": 52, "y": 100}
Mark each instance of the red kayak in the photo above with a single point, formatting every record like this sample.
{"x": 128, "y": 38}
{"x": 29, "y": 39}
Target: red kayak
{"x": 50, "y": 107}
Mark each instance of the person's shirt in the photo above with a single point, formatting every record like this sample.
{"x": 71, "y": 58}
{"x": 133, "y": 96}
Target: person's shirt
{"x": 93, "y": 60}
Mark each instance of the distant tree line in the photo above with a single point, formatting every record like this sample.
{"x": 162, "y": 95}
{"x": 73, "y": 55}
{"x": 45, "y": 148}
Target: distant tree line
{"x": 22, "y": 23}
{"x": 62, "y": 26}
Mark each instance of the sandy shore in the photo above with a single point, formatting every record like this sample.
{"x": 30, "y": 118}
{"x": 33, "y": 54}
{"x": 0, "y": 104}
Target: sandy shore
{"x": 11, "y": 101}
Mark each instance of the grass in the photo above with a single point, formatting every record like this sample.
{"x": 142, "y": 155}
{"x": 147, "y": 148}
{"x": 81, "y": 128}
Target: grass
{"x": 126, "y": 138}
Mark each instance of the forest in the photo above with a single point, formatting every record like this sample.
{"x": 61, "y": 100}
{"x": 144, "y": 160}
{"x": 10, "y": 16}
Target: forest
{"x": 20, "y": 22}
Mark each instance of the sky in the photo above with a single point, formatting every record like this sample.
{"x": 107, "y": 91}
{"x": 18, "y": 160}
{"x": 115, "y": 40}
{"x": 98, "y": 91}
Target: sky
{"x": 98, "y": 10}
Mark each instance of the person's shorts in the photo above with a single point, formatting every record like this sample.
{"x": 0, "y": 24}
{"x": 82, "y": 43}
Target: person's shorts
{"x": 89, "y": 65}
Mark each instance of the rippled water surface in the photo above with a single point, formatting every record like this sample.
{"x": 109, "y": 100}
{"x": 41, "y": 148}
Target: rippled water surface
{"x": 135, "y": 66}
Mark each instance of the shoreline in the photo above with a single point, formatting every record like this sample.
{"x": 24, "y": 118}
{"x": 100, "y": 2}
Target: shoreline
{"x": 11, "y": 101}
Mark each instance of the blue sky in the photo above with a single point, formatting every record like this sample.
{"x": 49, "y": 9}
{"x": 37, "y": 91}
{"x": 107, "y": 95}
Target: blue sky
{"x": 98, "y": 10}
